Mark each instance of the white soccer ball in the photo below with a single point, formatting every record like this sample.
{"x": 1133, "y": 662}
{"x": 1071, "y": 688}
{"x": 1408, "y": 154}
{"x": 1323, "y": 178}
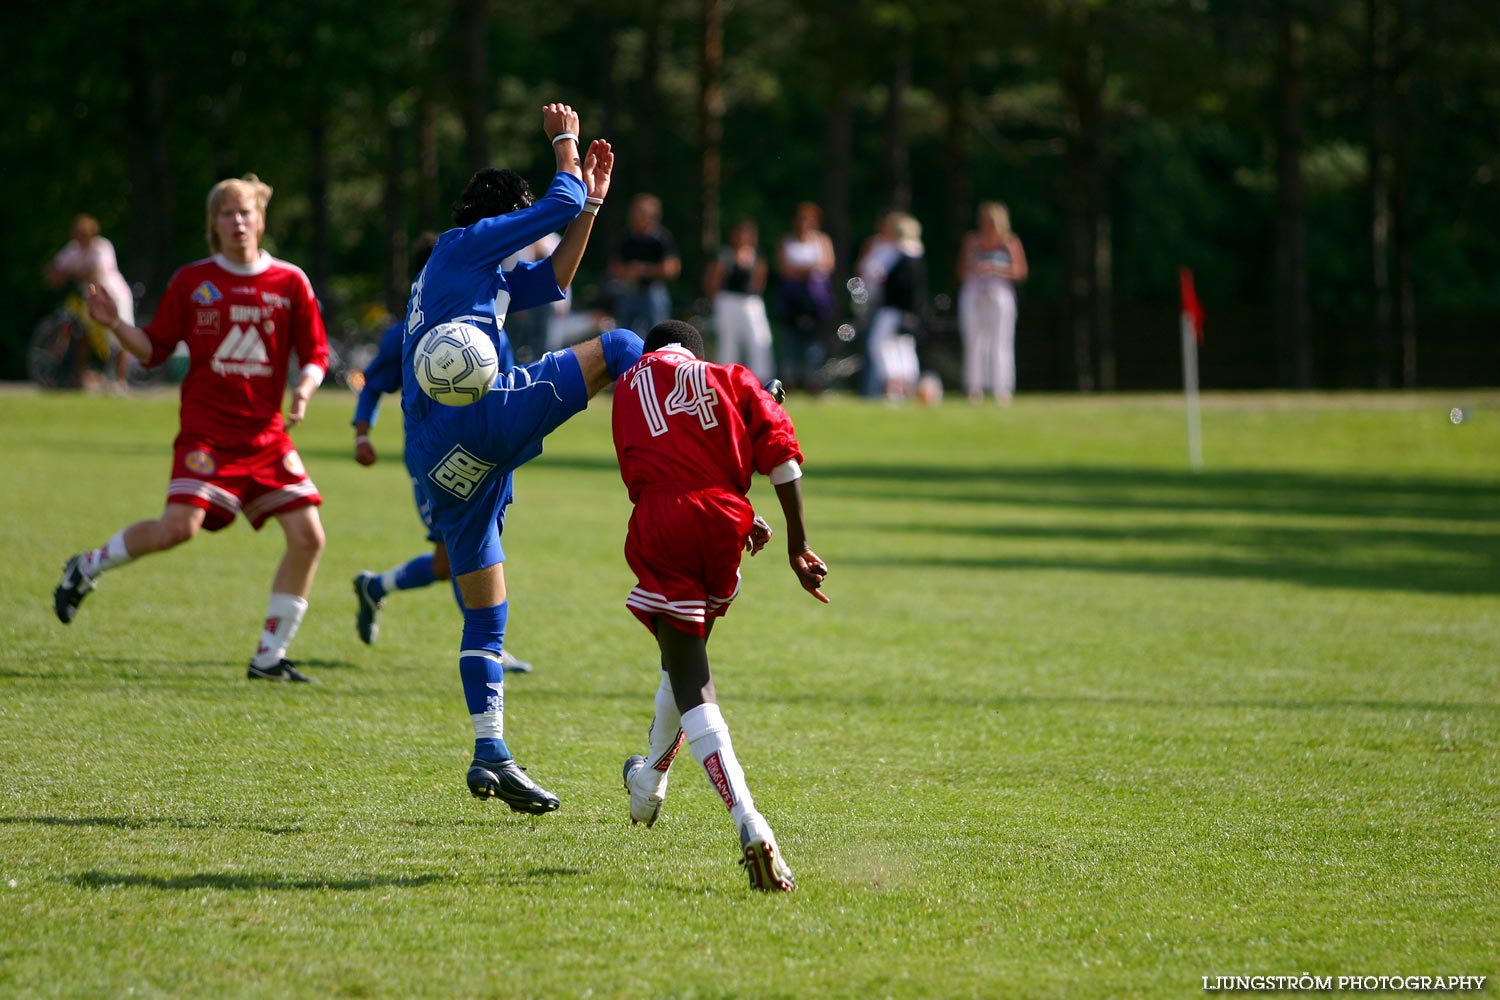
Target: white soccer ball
{"x": 455, "y": 363}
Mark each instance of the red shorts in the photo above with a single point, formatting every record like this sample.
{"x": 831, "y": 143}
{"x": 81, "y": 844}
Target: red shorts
{"x": 261, "y": 481}
{"x": 685, "y": 551}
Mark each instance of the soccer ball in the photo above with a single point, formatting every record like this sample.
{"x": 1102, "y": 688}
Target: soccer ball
{"x": 455, "y": 363}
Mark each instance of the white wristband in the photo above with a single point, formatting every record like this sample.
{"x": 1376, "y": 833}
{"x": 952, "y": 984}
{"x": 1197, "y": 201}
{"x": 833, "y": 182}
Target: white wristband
{"x": 361, "y": 439}
{"x": 315, "y": 373}
{"x": 559, "y": 137}
{"x": 591, "y": 208}
{"x": 591, "y": 200}
{"x": 786, "y": 472}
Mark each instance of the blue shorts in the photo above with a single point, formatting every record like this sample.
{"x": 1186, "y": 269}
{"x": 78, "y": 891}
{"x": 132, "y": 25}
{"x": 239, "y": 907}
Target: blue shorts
{"x": 424, "y": 509}
{"x": 461, "y": 458}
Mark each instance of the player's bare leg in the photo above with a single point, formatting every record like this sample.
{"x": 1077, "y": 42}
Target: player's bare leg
{"x": 493, "y": 773}
{"x": 303, "y": 529}
{"x": 685, "y": 658}
{"x": 178, "y": 523}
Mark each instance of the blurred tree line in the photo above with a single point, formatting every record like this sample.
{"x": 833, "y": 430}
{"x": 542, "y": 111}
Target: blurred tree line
{"x": 1326, "y": 167}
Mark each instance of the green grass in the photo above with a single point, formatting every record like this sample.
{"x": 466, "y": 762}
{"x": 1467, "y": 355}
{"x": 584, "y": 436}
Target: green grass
{"x": 1079, "y": 722}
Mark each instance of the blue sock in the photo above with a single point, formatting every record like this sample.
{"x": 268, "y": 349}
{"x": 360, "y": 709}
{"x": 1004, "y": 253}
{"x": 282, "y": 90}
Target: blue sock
{"x": 417, "y": 573}
{"x": 622, "y": 348}
{"x": 484, "y": 678}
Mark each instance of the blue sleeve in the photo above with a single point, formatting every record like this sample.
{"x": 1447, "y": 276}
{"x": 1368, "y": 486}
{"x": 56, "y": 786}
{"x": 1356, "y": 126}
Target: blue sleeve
{"x": 489, "y": 241}
{"x": 531, "y": 284}
{"x": 382, "y": 375}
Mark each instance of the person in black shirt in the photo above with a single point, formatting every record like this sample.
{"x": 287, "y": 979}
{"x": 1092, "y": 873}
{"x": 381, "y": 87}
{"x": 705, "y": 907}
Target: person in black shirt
{"x": 735, "y": 281}
{"x": 645, "y": 261}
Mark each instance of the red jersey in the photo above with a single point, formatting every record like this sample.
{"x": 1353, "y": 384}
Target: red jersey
{"x": 241, "y": 324}
{"x": 685, "y": 424}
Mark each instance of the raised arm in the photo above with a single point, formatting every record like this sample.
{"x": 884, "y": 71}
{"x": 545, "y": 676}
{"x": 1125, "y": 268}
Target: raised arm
{"x": 104, "y": 312}
{"x": 597, "y": 167}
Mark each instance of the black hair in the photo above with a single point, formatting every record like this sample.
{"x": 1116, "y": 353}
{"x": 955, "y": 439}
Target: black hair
{"x": 491, "y": 192}
{"x": 674, "y": 331}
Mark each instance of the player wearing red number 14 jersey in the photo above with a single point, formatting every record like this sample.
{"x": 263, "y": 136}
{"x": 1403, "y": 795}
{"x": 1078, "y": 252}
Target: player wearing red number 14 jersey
{"x": 242, "y": 314}
{"x": 689, "y": 435}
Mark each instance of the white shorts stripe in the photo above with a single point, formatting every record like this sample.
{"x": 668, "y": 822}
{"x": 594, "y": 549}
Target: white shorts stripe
{"x": 269, "y": 503}
{"x": 216, "y": 495}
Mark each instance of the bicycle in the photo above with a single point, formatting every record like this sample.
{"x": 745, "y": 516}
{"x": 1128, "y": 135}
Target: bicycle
{"x": 67, "y": 348}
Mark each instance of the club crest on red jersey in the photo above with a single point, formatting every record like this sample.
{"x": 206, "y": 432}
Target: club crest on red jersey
{"x": 206, "y": 294}
{"x": 292, "y": 462}
{"x": 200, "y": 462}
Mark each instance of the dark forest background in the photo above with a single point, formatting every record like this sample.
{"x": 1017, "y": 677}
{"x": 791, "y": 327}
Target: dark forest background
{"x": 1328, "y": 168}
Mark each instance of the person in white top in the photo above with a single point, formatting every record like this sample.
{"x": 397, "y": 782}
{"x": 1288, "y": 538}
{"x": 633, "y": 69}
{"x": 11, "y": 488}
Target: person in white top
{"x": 735, "y": 280}
{"x": 89, "y": 259}
{"x": 805, "y": 265}
{"x": 990, "y": 264}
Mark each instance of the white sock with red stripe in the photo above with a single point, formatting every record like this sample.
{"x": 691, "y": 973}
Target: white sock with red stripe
{"x": 283, "y": 618}
{"x": 708, "y": 737}
{"x": 666, "y": 739}
{"x": 111, "y": 555}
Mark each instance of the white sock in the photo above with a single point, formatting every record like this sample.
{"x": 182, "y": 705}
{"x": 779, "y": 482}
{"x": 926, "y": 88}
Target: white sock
{"x": 283, "y": 618}
{"x": 666, "y": 739}
{"x": 708, "y": 737}
{"x": 111, "y": 555}
{"x": 388, "y": 580}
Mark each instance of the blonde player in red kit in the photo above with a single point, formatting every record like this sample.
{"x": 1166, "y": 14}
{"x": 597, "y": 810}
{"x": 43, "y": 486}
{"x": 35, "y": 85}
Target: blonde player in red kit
{"x": 242, "y": 314}
{"x": 689, "y": 435}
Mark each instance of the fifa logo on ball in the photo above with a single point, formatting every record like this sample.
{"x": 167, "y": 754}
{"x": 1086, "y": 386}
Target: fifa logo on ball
{"x": 455, "y": 363}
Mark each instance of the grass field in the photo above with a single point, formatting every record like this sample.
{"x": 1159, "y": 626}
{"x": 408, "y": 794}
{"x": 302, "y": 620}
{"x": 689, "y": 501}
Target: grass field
{"x": 1079, "y": 722}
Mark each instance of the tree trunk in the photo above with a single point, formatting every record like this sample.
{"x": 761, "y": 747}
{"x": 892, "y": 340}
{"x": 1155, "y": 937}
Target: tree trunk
{"x": 317, "y": 193}
{"x": 956, "y": 128}
{"x": 475, "y": 18}
{"x": 396, "y": 285}
{"x": 429, "y": 213}
{"x": 150, "y": 174}
{"x": 1294, "y": 368}
{"x": 1087, "y": 293}
{"x": 838, "y": 138}
{"x": 710, "y": 128}
{"x": 1379, "y": 95}
{"x": 647, "y": 102}
{"x": 897, "y": 155}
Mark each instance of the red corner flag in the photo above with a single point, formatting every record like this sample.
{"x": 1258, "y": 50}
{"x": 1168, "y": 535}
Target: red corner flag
{"x": 1190, "y": 307}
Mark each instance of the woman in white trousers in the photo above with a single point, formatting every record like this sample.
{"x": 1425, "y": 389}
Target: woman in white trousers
{"x": 735, "y": 280}
{"x": 991, "y": 263}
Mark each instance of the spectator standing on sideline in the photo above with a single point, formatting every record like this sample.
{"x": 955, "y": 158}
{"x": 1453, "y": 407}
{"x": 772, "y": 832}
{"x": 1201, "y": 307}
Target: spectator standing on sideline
{"x": 464, "y": 458}
{"x": 804, "y": 265}
{"x": 903, "y": 300}
{"x": 879, "y": 253}
{"x": 242, "y": 313}
{"x": 735, "y": 281}
{"x": 991, "y": 263}
{"x": 689, "y": 435}
{"x": 645, "y": 261}
{"x": 89, "y": 259}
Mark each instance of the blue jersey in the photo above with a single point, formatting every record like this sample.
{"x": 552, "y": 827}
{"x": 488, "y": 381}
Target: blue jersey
{"x": 463, "y": 280}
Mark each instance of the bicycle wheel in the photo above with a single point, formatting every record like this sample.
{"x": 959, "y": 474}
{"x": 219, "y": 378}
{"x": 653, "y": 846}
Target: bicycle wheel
{"x": 49, "y": 353}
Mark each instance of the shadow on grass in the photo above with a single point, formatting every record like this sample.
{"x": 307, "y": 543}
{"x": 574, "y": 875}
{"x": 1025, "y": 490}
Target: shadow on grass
{"x": 1125, "y": 487}
{"x": 204, "y": 880}
{"x": 142, "y": 823}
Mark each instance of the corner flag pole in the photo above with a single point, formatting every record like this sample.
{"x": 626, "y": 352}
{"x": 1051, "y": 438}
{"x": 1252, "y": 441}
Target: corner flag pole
{"x": 1192, "y": 331}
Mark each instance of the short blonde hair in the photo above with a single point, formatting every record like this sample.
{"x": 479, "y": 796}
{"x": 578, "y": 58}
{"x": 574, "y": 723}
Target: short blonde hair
{"x": 997, "y": 214}
{"x": 250, "y": 185}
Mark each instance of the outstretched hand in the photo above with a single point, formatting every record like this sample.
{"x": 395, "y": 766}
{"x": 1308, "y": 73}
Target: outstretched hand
{"x": 597, "y": 167}
{"x": 810, "y": 571}
{"x": 364, "y": 452}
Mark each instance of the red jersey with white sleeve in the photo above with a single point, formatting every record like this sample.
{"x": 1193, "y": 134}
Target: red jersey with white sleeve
{"x": 241, "y": 324}
{"x": 689, "y": 435}
{"x": 685, "y": 424}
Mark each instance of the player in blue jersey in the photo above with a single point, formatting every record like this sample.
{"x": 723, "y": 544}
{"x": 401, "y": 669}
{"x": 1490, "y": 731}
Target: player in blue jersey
{"x": 463, "y": 458}
{"x": 383, "y": 375}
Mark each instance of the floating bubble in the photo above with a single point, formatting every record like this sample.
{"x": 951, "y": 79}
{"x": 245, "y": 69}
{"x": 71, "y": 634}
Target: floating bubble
{"x": 856, "y": 285}
{"x": 845, "y": 332}
{"x": 1457, "y": 415}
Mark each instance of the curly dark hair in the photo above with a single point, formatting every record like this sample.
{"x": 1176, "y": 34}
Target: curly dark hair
{"x": 674, "y": 331}
{"x": 491, "y": 192}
